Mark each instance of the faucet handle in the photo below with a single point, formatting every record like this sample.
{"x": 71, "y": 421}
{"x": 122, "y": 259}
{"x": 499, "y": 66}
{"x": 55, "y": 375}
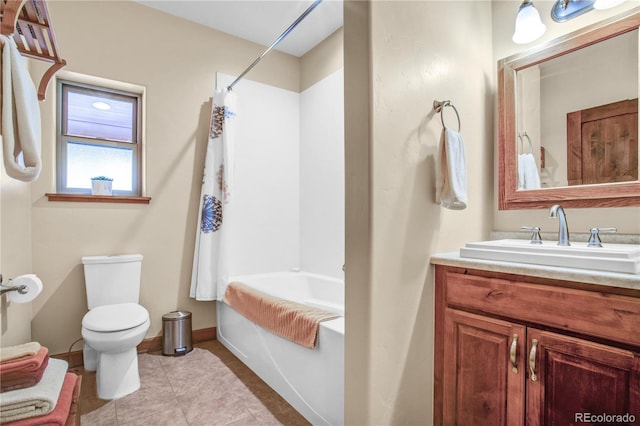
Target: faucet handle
{"x": 594, "y": 239}
{"x": 535, "y": 233}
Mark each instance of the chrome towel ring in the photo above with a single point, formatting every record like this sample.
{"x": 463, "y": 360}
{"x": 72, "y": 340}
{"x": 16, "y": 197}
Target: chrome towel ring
{"x": 438, "y": 106}
{"x": 521, "y": 140}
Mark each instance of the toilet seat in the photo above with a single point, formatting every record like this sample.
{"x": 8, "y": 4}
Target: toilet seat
{"x": 118, "y": 317}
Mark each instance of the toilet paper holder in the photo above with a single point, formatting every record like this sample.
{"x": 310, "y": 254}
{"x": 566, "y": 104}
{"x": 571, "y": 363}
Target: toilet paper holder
{"x": 22, "y": 289}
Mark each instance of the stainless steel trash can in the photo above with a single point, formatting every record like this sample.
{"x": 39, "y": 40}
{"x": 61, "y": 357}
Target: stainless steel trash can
{"x": 176, "y": 333}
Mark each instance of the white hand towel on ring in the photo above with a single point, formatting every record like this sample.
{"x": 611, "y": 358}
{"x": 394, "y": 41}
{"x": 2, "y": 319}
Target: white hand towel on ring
{"x": 528, "y": 176}
{"x": 451, "y": 172}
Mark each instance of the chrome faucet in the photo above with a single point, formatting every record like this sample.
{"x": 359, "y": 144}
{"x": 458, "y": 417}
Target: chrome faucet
{"x": 556, "y": 211}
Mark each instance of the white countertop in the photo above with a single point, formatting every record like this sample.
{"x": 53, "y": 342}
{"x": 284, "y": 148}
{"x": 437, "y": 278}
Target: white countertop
{"x": 612, "y": 279}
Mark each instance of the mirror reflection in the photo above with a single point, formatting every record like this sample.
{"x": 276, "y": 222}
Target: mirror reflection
{"x": 577, "y": 117}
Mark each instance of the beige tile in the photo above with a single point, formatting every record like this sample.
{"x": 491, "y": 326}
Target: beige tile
{"x": 104, "y": 415}
{"x": 214, "y": 387}
{"x": 144, "y": 403}
{"x": 149, "y": 362}
{"x": 222, "y": 411}
{"x": 272, "y": 409}
{"x": 195, "y": 399}
{"x": 196, "y": 363}
{"x": 169, "y": 417}
{"x": 153, "y": 378}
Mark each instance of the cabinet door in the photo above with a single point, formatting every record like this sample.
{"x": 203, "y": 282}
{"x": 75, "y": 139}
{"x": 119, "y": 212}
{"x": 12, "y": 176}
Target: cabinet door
{"x": 576, "y": 378}
{"x": 484, "y": 375}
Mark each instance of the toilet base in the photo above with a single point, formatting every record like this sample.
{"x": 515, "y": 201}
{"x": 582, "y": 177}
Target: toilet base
{"x": 90, "y": 358}
{"x": 117, "y": 374}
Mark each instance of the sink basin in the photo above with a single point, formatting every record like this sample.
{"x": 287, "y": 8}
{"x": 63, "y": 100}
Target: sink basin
{"x": 612, "y": 257}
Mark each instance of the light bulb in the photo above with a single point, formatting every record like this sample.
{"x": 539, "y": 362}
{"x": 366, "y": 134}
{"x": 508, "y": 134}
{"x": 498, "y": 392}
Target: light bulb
{"x": 529, "y": 26}
{"x": 607, "y": 4}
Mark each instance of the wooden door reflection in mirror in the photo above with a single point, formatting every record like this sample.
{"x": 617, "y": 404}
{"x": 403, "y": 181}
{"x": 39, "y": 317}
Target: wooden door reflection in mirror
{"x": 602, "y": 144}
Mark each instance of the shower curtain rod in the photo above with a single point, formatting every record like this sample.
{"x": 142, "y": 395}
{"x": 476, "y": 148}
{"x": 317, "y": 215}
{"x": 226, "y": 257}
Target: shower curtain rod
{"x": 275, "y": 43}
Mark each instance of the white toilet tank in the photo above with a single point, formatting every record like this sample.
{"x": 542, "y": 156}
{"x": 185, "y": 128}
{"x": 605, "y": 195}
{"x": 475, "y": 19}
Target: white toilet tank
{"x": 112, "y": 279}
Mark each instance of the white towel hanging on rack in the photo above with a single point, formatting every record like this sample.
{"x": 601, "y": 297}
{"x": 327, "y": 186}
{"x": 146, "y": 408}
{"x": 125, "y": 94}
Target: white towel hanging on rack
{"x": 451, "y": 172}
{"x": 21, "y": 130}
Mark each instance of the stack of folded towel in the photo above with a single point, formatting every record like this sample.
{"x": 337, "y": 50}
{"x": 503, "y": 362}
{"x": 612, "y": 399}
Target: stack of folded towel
{"x": 36, "y": 389}
{"x": 22, "y": 366}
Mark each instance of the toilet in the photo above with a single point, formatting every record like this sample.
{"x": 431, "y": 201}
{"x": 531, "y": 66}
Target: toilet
{"x": 115, "y": 323}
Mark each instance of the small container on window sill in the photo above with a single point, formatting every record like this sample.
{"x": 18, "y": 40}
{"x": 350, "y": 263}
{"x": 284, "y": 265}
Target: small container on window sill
{"x": 101, "y": 185}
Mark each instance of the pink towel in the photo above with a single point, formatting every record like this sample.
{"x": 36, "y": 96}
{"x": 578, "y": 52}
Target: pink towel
{"x": 74, "y": 411}
{"x": 59, "y": 415}
{"x": 20, "y": 379}
{"x": 290, "y": 320}
{"x": 26, "y": 364}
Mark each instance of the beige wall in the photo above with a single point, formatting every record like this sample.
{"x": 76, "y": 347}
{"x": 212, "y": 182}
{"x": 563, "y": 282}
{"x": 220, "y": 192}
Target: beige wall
{"x": 15, "y": 257}
{"x": 416, "y": 52}
{"x": 175, "y": 61}
{"x": 358, "y": 210}
{"x": 322, "y": 60}
{"x": 627, "y": 220}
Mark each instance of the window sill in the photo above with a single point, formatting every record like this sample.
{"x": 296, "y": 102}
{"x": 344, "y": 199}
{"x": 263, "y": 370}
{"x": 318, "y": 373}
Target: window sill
{"x": 85, "y": 198}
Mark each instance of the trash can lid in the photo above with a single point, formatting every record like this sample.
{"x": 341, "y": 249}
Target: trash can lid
{"x": 176, "y": 315}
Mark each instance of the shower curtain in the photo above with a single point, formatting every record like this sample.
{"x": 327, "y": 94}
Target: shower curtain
{"x": 210, "y": 262}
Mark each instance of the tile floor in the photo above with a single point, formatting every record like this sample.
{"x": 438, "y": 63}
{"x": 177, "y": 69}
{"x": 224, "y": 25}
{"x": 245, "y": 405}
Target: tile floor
{"x": 208, "y": 386}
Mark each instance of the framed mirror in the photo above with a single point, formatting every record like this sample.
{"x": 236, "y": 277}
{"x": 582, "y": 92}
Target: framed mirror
{"x": 568, "y": 120}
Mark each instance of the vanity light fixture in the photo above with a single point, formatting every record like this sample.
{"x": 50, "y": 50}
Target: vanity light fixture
{"x": 529, "y": 26}
{"x": 563, "y": 10}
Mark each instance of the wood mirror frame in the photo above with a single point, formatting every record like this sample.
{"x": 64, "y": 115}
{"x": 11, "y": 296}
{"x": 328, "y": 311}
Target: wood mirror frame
{"x": 600, "y": 195}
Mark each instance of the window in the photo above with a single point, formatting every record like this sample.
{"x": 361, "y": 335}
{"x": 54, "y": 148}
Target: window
{"x": 99, "y": 134}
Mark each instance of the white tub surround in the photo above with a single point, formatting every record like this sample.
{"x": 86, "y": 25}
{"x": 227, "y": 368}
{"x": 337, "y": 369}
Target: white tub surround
{"x": 287, "y": 206}
{"x": 287, "y": 214}
{"x": 311, "y": 380}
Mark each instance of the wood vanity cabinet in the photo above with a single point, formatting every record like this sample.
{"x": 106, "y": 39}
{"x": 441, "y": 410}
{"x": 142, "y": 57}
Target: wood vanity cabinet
{"x": 515, "y": 350}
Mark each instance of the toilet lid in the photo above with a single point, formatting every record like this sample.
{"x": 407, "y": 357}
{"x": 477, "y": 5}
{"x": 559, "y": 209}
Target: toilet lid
{"x": 121, "y": 316}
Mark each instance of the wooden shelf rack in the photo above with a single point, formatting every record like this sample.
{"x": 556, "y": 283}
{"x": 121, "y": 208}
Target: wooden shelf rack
{"x": 28, "y": 21}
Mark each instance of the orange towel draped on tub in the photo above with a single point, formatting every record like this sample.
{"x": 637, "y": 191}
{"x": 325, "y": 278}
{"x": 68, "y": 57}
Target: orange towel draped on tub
{"x": 290, "y": 320}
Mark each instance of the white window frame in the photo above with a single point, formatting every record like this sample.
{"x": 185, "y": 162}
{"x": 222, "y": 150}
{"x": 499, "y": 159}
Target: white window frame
{"x": 109, "y": 86}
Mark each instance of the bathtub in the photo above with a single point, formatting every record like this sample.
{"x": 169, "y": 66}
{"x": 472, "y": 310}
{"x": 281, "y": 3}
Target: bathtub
{"x": 311, "y": 380}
